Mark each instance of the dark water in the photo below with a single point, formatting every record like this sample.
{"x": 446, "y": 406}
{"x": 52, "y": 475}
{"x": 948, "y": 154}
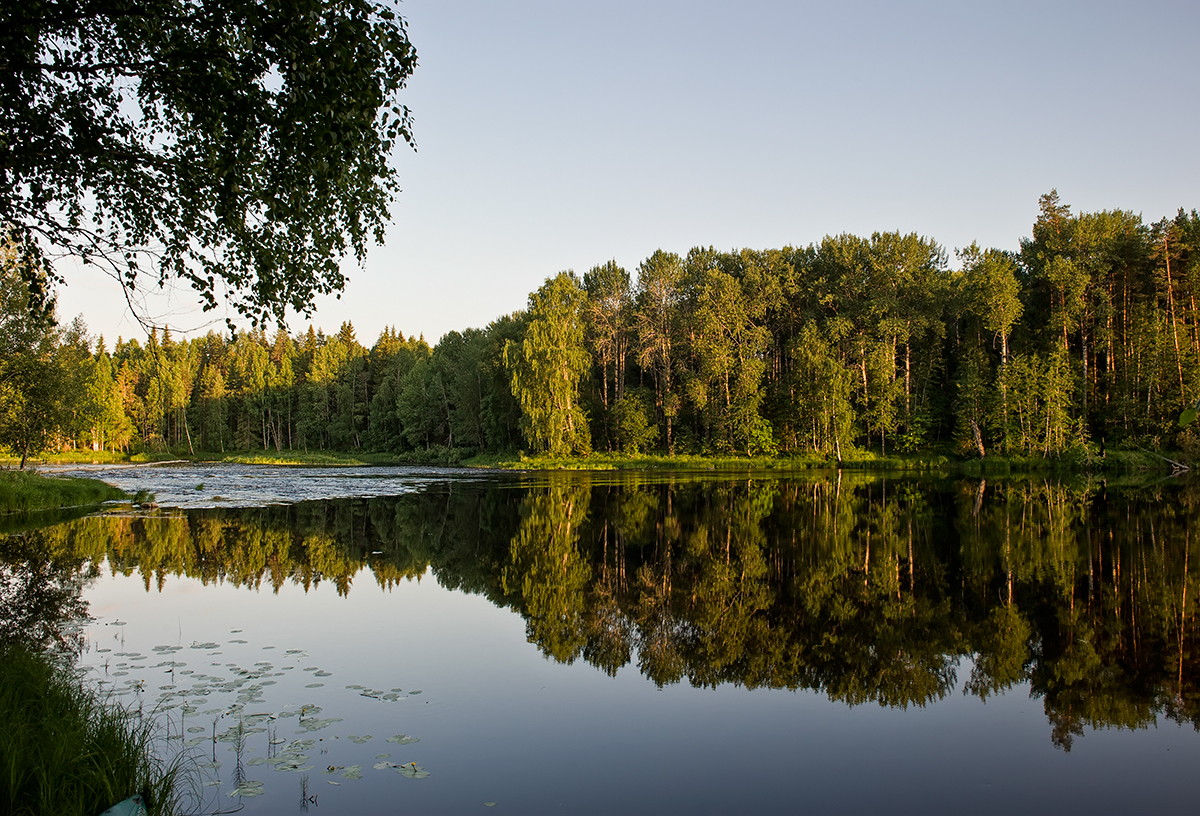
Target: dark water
{"x": 573, "y": 643}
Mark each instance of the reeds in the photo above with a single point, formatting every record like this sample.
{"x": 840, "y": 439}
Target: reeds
{"x": 67, "y": 752}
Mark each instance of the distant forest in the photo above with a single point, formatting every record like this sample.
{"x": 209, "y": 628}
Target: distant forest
{"x": 1088, "y": 336}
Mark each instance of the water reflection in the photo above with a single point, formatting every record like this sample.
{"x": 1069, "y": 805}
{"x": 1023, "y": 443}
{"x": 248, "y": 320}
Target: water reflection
{"x": 867, "y": 589}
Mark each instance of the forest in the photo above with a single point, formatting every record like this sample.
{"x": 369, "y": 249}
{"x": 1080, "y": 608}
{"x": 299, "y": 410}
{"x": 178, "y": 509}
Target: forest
{"x": 1087, "y": 338}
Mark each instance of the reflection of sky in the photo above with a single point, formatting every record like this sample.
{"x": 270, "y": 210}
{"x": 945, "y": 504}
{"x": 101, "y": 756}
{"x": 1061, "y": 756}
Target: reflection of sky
{"x": 500, "y": 722}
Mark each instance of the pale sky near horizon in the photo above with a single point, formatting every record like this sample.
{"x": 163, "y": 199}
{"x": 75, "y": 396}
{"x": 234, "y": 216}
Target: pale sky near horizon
{"x": 558, "y": 135}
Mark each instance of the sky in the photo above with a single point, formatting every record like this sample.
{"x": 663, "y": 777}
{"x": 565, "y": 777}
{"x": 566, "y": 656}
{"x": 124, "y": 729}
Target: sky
{"x": 559, "y": 135}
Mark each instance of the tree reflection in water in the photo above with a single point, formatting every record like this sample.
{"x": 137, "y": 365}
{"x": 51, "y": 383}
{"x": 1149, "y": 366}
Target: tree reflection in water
{"x": 868, "y": 589}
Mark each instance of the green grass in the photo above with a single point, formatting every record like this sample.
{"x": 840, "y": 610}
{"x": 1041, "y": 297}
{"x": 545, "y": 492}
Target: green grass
{"x": 23, "y": 491}
{"x": 295, "y": 457}
{"x": 936, "y": 460}
{"x": 64, "y": 751}
{"x": 862, "y": 460}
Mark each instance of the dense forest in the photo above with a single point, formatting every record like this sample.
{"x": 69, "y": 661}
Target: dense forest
{"x": 1087, "y": 337}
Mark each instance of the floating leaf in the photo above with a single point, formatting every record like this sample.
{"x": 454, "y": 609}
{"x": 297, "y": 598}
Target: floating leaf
{"x": 352, "y": 772}
{"x": 257, "y": 761}
{"x": 248, "y": 789}
{"x": 360, "y": 740}
{"x": 489, "y": 804}
{"x": 413, "y": 771}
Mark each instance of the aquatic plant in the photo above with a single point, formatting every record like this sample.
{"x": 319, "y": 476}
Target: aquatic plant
{"x": 65, "y": 750}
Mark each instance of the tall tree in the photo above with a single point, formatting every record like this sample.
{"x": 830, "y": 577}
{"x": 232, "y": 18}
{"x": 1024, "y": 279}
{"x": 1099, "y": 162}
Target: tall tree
{"x": 607, "y": 309}
{"x": 548, "y": 365}
{"x": 993, "y": 293}
{"x": 32, "y": 380}
{"x": 656, "y": 323}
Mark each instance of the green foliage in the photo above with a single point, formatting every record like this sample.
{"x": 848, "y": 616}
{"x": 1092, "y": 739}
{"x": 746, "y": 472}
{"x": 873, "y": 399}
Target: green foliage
{"x": 634, "y": 415}
{"x": 246, "y": 147}
{"x": 859, "y": 349}
{"x": 548, "y": 365}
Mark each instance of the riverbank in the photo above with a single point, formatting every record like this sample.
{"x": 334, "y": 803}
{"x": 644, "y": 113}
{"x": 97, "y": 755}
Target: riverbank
{"x": 22, "y": 491}
{"x": 1114, "y": 461}
{"x": 64, "y": 750}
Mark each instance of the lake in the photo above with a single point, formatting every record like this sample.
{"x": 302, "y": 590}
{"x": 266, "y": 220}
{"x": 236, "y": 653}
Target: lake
{"x": 383, "y": 640}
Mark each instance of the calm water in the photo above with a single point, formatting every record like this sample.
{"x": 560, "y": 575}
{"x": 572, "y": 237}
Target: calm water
{"x": 417, "y": 641}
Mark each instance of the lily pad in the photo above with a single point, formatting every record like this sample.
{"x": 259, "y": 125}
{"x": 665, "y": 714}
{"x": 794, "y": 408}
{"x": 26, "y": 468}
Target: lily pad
{"x": 403, "y": 739}
{"x": 352, "y": 772}
{"x": 413, "y": 771}
{"x": 360, "y": 740}
{"x": 248, "y": 788}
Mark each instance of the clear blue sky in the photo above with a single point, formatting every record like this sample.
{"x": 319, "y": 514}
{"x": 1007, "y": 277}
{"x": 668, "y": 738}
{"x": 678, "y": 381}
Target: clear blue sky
{"x": 558, "y": 135}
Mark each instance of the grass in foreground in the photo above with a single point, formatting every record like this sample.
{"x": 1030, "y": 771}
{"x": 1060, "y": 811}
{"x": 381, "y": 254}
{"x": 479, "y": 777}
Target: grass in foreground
{"x": 22, "y": 491}
{"x": 63, "y": 751}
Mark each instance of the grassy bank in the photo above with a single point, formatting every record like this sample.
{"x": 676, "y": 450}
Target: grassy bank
{"x": 63, "y": 751}
{"x": 1115, "y": 461}
{"x": 939, "y": 460}
{"x": 22, "y": 491}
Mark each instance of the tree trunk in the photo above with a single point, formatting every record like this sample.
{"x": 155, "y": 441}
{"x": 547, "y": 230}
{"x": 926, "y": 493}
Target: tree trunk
{"x": 978, "y": 438}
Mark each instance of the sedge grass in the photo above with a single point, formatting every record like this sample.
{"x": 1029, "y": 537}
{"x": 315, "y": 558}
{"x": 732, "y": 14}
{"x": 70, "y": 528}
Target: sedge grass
{"x": 65, "y": 751}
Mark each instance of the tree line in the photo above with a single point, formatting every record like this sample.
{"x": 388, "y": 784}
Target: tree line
{"x": 1088, "y": 336}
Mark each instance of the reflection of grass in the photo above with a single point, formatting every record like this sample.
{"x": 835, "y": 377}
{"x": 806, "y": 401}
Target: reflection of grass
{"x": 63, "y": 751}
{"x": 24, "y": 491}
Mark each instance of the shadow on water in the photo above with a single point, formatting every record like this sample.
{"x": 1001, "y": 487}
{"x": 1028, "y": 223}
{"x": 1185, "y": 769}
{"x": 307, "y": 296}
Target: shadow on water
{"x": 869, "y": 589}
